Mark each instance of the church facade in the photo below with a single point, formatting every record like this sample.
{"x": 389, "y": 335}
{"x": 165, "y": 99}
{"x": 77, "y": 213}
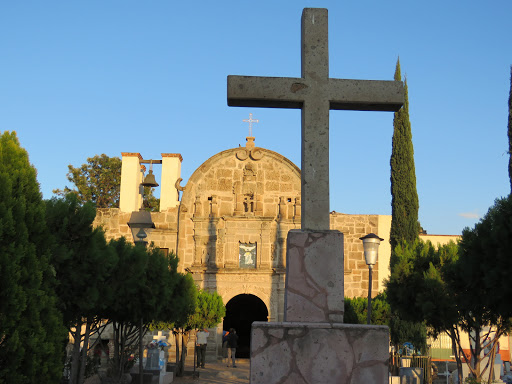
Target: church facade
{"x": 230, "y": 225}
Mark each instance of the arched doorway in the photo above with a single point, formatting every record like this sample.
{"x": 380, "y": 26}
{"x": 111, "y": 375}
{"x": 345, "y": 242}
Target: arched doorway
{"x": 241, "y": 311}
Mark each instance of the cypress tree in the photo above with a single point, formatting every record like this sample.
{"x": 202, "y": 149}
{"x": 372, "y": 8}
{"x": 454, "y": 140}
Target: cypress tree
{"x": 510, "y": 130}
{"x": 31, "y": 331}
{"x": 404, "y": 203}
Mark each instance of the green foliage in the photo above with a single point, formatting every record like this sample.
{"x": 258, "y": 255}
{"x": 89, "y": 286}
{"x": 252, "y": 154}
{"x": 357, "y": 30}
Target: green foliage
{"x": 356, "y": 310}
{"x": 454, "y": 287}
{"x": 510, "y": 130}
{"x": 83, "y": 264}
{"x": 401, "y": 331}
{"x": 404, "y": 203}
{"x": 81, "y": 258}
{"x": 31, "y": 331}
{"x": 150, "y": 202}
{"x": 181, "y": 306}
{"x": 98, "y": 181}
{"x": 144, "y": 287}
{"x": 417, "y": 289}
{"x": 209, "y": 312}
{"x": 484, "y": 267}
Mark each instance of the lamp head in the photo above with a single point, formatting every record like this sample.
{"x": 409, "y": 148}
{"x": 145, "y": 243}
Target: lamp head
{"x": 371, "y": 244}
{"x": 141, "y": 225}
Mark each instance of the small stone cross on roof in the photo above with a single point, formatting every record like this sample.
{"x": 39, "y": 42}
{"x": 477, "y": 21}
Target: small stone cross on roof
{"x": 315, "y": 94}
{"x": 250, "y": 120}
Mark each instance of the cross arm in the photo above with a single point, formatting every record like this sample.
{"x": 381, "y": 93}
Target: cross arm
{"x": 366, "y": 95}
{"x": 273, "y": 92}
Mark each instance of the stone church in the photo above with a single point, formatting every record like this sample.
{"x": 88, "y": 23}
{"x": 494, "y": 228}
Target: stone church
{"x": 228, "y": 226}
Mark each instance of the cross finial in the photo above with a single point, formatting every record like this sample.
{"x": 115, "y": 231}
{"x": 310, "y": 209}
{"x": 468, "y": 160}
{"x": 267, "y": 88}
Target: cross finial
{"x": 250, "y": 120}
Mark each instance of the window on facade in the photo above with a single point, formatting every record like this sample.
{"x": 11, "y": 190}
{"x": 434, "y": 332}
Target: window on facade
{"x": 247, "y": 255}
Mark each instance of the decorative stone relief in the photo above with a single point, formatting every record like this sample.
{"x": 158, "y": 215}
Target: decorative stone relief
{"x": 178, "y": 186}
{"x": 244, "y": 153}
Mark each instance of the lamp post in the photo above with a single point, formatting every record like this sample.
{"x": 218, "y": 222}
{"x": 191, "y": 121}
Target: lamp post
{"x": 141, "y": 225}
{"x": 371, "y": 244}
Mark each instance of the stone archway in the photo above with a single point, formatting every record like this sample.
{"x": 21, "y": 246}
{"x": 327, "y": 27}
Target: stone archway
{"x": 241, "y": 311}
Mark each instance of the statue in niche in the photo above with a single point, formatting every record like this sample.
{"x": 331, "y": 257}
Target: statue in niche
{"x": 249, "y": 174}
{"x": 248, "y": 203}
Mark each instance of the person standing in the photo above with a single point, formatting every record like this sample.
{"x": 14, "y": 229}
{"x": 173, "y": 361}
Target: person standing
{"x": 201, "y": 341}
{"x": 225, "y": 358}
{"x": 232, "y": 345}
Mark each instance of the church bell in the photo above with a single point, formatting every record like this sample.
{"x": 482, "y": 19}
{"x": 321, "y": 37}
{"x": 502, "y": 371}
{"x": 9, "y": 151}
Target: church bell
{"x": 149, "y": 180}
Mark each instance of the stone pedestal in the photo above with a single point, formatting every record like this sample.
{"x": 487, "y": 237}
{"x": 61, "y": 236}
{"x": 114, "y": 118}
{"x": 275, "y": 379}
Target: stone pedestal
{"x": 312, "y": 345}
{"x": 314, "y": 276}
{"x": 307, "y": 353}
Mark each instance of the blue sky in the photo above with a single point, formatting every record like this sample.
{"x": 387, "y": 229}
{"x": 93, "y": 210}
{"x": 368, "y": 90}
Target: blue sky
{"x": 85, "y": 78}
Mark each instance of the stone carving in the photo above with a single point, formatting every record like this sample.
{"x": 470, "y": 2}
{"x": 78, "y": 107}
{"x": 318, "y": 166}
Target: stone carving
{"x": 249, "y": 174}
{"x": 244, "y": 153}
{"x": 178, "y": 186}
{"x": 198, "y": 207}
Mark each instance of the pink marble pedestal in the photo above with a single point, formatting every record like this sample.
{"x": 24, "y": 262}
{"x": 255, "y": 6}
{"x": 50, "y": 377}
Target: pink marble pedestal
{"x": 314, "y": 290}
{"x": 312, "y": 345}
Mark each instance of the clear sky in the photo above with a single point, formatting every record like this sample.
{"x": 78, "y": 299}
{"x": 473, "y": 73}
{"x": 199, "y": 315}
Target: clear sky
{"x": 84, "y": 78}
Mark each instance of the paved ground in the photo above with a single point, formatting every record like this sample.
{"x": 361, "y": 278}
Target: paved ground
{"x": 217, "y": 373}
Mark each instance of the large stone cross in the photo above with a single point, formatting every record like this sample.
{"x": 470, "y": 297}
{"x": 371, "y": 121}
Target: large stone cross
{"x": 315, "y": 94}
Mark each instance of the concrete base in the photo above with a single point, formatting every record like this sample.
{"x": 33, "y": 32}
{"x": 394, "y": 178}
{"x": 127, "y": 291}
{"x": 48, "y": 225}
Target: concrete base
{"x": 318, "y": 353}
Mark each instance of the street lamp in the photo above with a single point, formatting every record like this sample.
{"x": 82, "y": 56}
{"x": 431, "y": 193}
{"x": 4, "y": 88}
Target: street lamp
{"x": 371, "y": 251}
{"x": 141, "y": 226}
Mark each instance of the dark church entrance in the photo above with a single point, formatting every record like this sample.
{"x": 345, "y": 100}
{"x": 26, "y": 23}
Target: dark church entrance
{"x": 241, "y": 311}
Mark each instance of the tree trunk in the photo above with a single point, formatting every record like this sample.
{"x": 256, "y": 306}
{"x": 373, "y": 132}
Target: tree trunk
{"x": 116, "y": 360}
{"x": 75, "y": 356}
{"x": 453, "y": 333}
{"x": 179, "y": 372}
{"x": 83, "y": 357}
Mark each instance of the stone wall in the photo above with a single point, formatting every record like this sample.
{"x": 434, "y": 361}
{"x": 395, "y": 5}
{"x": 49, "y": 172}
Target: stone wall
{"x": 353, "y": 228}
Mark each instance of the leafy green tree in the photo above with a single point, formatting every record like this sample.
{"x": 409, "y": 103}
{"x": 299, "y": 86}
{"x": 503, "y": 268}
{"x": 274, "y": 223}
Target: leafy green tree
{"x": 208, "y": 312}
{"x": 482, "y": 270}
{"x": 142, "y": 287}
{"x": 454, "y": 288}
{"x": 418, "y": 291}
{"x": 404, "y": 206}
{"x": 510, "y": 130}
{"x": 98, "y": 181}
{"x": 404, "y": 203}
{"x": 31, "y": 331}
{"x": 83, "y": 264}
